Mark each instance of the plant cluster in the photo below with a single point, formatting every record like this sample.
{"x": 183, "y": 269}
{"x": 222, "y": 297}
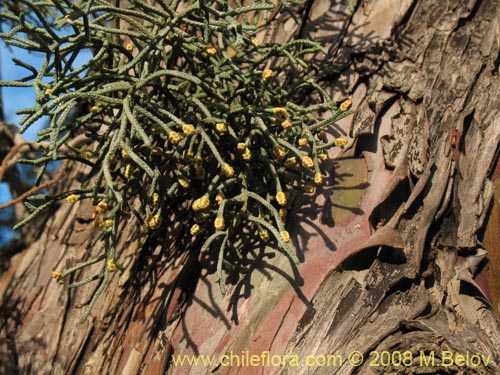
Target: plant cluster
{"x": 185, "y": 107}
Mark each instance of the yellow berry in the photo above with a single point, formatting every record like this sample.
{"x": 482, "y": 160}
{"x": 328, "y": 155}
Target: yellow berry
{"x": 346, "y": 104}
{"x": 285, "y": 235}
{"x": 221, "y": 127}
{"x": 264, "y": 235}
{"x": 307, "y": 162}
{"x": 72, "y": 198}
{"x": 267, "y": 75}
{"x": 174, "y": 137}
{"x": 211, "y": 51}
{"x": 287, "y": 124}
{"x": 302, "y": 142}
{"x": 188, "y": 129}
{"x": 281, "y": 198}
{"x": 227, "y": 170}
{"x": 201, "y": 203}
{"x": 195, "y": 229}
{"x": 111, "y": 265}
{"x": 340, "y": 142}
{"x": 318, "y": 178}
{"x": 129, "y": 46}
{"x": 219, "y": 223}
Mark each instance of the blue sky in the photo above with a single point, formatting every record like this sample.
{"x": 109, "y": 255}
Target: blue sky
{"x": 15, "y": 98}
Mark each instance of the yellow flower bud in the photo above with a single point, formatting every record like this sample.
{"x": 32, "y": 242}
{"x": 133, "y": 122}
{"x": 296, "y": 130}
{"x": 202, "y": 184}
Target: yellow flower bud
{"x": 255, "y": 42}
{"x": 279, "y": 151}
{"x": 287, "y": 124}
{"x": 221, "y": 127}
{"x": 72, "y": 198}
{"x": 47, "y": 91}
{"x": 267, "y": 75}
{"x": 154, "y": 222}
{"x": 302, "y": 142}
{"x": 323, "y": 156}
{"x": 195, "y": 229}
{"x": 285, "y": 235}
{"x": 174, "y": 137}
{"x": 283, "y": 212}
{"x": 201, "y": 203}
{"x": 56, "y": 275}
{"x": 188, "y": 129}
{"x": 219, "y": 198}
{"x": 198, "y": 161}
{"x": 247, "y": 154}
{"x": 307, "y": 162}
{"x": 129, "y": 47}
{"x": 281, "y": 198}
{"x": 346, "y": 104}
{"x": 95, "y": 108}
{"x": 318, "y": 178}
{"x": 241, "y": 146}
{"x": 127, "y": 172}
{"x": 291, "y": 161}
{"x": 111, "y": 265}
{"x": 264, "y": 235}
{"x": 308, "y": 189}
{"x": 322, "y": 135}
{"x": 124, "y": 154}
{"x": 227, "y": 170}
{"x": 102, "y": 206}
{"x": 340, "y": 142}
{"x": 183, "y": 182}
{"x": 107, "y": 223}
{"x": 155, "y": 198}
{"x": 155, "y": 151}
{"x": 280, "y": 111}
{"x": 212, "y": 51}
{"x": 219, "y": 223}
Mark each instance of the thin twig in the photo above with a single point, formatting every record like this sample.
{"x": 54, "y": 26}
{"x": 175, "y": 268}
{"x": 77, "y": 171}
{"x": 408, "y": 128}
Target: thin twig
{"x": 34, "y": 189}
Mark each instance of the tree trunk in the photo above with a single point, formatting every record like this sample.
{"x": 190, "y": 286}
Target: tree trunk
{"x": 391, "y": 248}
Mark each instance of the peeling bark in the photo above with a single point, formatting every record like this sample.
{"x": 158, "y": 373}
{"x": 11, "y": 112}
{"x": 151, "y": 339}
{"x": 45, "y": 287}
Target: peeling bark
{"x": 391, "y": 248}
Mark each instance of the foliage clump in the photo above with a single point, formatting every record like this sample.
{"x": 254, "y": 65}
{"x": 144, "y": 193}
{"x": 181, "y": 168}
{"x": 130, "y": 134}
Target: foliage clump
{"x": 183, "y": 106}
